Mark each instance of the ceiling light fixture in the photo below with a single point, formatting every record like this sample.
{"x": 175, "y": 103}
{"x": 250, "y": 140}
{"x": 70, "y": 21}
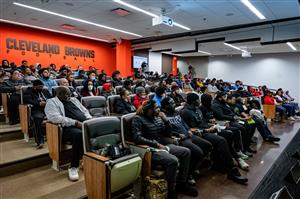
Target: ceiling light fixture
{"x": 253, "y": 9}
{"x": 291, "y": 46}
{"x": 235, "y": 47}
{"x": 76, "y": 19}
{"x": 52, "y": 30}
{"x": 207, "y": 53}
{"x": 148, "y": 13}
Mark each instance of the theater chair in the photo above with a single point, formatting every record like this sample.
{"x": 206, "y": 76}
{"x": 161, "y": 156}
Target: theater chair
{"x": 79, "y": 89}
{"x": 117, "y": 89}
{"x": 96, "y": 105}
{"x": 106, "y": 178}
{"x": 269, "y": 111}
{"x": 111, "y": 100}
{"x": 5, "y": 98}
{"x": 24, "y": 114}
{"x": 55, "y": 144}
{"x": 79, "y": 82}
{"x": 99, "y": 89}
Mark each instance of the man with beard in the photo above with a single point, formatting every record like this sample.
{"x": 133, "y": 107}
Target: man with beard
{"x": 37, "y": 97}
{"x": 178, "y": 128}
{"x": 70, "y": 113}
{"x": 44, "y": 77}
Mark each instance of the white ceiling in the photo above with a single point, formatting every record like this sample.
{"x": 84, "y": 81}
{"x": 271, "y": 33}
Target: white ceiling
{"x": 195, "y": 14}
{"x": 254, "y": 47}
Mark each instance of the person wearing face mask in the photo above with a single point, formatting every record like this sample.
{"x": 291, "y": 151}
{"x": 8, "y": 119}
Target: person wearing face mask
{"x": 92, "y": 77}
{"x": 178, "y": 99}
{"x": 44, "y": 77}
{"x": 88, "y": 89}
{"x": 123, "y": 105}
{"x": 221, "y": 154}
{"x": 199, "y": 147}
{"x": 148, "y": 128}
{"x": 13, "y": 85}
{"x": 160, "y": 92}
{"x": 140, "y": 96}
{"x": 37, "y": 97}
{"x": 70, "y": 113}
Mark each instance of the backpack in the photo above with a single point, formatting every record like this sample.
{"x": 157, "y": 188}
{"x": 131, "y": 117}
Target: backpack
{"x": 156, "y": 188}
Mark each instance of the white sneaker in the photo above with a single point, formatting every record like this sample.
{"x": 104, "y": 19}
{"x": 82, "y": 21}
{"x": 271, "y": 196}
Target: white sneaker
{"x": 291, "y": 118}
{"x": 242, "y": 155}
{"x": 296, "y": 117}
{"x": 242, "y": 164}
{"x": 73, "y": 174}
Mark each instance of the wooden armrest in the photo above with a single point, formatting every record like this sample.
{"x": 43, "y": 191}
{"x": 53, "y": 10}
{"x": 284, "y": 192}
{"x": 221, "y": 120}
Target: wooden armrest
{"x": 97, "y": 157}
{"x": 141, "y": 146}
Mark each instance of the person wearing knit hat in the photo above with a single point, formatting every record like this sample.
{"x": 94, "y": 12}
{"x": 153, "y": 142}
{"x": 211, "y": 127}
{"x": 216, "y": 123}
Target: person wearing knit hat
{"x": 106, "y": 90}
{"x": 37, "y": 97}
{"x": 222, "y": 158}
{"x": 140, "y": 97}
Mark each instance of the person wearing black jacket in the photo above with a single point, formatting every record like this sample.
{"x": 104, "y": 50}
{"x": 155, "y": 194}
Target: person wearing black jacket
{"x": 223, "y": 112}
{"x": 13, "y": 86}
{"x": 116, "y": 79}
{"x": 149, "y": 129}
{"x": 231, "y": 134}
{"x": 221, "y": 155}
{"x": 37, "y": 97}
{"x": 178, "y": 128}
{"x": 123, "y": 105}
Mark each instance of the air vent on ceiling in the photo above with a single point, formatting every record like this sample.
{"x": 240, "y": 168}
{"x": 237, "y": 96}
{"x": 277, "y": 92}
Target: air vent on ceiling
{"x": 120, "y": 12}
{"x": 68, "y": 27}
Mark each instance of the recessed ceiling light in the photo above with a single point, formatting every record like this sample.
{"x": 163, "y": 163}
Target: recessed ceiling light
{"x": 253, "y": 9}
{"x": 291, "y": 46}
{"x": 148, "y": 13}
{"x": 207, "y": 53}
{"x": 51, "y": 30}
{"x": 235, "y": 47}
{"x": 75, "y": 19}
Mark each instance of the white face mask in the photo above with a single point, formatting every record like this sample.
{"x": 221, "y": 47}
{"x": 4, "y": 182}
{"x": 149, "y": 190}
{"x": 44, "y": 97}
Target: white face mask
{"x": 90, "y": 87}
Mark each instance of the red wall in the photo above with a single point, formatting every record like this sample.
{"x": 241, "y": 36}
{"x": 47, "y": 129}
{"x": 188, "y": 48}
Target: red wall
{"x": 105, "y": 55}
{"x": 124, "y": 60}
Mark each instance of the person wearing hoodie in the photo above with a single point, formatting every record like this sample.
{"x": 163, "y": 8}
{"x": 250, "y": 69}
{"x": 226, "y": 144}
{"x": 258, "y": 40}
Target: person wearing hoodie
{"x": 221, "y": 155}
{"x": 140, "y": 97}
{"x": 106, "y": 90}
{"x": 45, "y": 78}
{"x": 160, "y": 92}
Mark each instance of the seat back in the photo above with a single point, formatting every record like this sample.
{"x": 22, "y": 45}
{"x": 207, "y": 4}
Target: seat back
{"x": 183, "y": 95}
{"x": 99, "y": 132}
{"x": 148, "y": 89}
{"x": 117, "y": 89}
{"x": 179, "y": 108}
{"x": 79, "y": 89}
{"x": 22, "y": 91}
{"x": 99, "y": 88}
{"x": 79, "y": 82}
{"x": 126, "y": 127}
{"x": 111, "y": 100}
{"x": 151, "y": 95}
{"x": 269, "y": 111}
{"x": 96, "y": 105}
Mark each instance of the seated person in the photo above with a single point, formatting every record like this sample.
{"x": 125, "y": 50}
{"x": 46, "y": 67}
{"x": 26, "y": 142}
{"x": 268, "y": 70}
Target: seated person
{"x": 160, "y": 92}
{"x": 290, "y": 108}
{"x": 116, "y": 80}
{"x": 45, "y": 78}
{"x": 221, "y": 154}
{"x": 106, "y": 90}
{"x": 178, "y": 99}
{"x": 88, "y": 89}
{"x": 269, "y": 99}
{"x": 212, "y": 88}
{"x": 123, "y": 105}
{"x": 232, "y": 136}
{"x": 258, "y": 116}
{"x": 148, "y": 128}
{"x": 37, "y": 97}
{"x": 178, "y": 128}
{"x": 127, "y": 85}
{"x": 71, "y": 80}
{"x": 102, "y": 79}
{"x": 70, "y": 113}
{"x": 223, "y": 112}
{"x": 64, "y": 82}
{"x": 13, "y": 85}
{"x": 140, "y": 97}
{"x": 28, "y": 75}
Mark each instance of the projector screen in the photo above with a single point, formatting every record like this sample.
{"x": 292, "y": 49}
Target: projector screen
{"x": 137, "y": 61}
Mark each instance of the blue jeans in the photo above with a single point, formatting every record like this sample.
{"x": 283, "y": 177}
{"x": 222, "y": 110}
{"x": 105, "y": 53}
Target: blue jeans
{"x": 290, "y": 109}
{"x": 281, "y": 110}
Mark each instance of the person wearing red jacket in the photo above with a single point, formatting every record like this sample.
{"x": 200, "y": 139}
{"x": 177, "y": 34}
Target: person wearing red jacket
{"x": 140, "y": 97}
{"x": 270, "y": 100}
